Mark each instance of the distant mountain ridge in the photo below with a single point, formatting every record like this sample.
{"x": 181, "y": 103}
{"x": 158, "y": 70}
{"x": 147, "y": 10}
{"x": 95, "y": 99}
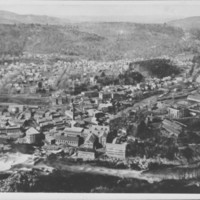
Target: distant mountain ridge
{"x": 186, "y": 23}
{"x": 13, "y": 18}
{"x": 96, "y": 41}
{"x": 7, "y": 17}
{"x": 91, "y": 40}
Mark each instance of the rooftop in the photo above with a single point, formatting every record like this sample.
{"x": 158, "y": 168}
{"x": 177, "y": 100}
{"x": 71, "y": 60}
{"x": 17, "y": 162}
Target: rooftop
{"x": 194, "y": 98}
{"x": 90, "y": 138}
{"x": 74, "y": 129}
{"x": 32, "y": 131}
{"x": 68, "y": 138}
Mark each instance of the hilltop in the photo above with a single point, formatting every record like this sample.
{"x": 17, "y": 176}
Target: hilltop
{"x": 186, "y": 23}
{"x": 95, "y": 41}
{"x": 36, "y": 34}
{"x": 13, "y": 18}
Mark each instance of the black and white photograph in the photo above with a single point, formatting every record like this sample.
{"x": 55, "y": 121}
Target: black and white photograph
{"x": 99, "y": 97}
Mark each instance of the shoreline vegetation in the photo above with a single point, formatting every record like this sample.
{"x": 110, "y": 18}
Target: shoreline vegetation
{"x": 70, "y": 181}
{"x": 18, "y": 162}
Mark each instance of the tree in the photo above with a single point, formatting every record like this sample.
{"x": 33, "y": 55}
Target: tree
{"x": 103, "y": 74}
{"x": 40, "y": 85}
{"x": 187, "y": 153}
{"x": 142, "y": 131}
{"x": 130, "y": 77}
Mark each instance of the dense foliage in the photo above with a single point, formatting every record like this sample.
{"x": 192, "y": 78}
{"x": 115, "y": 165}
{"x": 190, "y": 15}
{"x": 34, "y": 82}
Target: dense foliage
{"x": 95, "y": 41}
{"x": 130, "y": 77}
{"x": 157, "y": 67}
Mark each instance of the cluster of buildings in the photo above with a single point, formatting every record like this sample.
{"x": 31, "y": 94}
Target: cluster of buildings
{"x": 83, "y": 121}
{"x": 22, "y": 78}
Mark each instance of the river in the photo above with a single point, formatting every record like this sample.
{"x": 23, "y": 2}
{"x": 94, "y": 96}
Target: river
{"x": 70, "y": 175}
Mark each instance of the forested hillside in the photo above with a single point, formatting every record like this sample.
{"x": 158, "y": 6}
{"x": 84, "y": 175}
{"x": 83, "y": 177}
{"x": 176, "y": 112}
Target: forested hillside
{"x": 95, "y": 41}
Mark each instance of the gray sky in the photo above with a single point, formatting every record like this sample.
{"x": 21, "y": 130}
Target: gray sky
{"x": 159, "y": 10}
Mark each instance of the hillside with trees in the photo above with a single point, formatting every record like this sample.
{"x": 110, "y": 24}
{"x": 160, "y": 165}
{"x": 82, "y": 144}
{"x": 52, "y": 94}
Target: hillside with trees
{"x": 186, "y": 23}
{"x": 156, "y": 67}
{"x": 94, "y": 41}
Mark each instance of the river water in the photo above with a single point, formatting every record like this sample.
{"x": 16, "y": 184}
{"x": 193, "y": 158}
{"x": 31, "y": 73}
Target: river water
{"x": 69, "y": 176}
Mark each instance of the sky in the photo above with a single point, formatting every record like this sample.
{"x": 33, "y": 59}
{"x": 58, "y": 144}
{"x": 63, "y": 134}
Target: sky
{"x": 124, "y": 10}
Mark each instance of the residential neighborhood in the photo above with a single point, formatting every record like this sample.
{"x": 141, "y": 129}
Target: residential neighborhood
{"x": 101, "y": 122}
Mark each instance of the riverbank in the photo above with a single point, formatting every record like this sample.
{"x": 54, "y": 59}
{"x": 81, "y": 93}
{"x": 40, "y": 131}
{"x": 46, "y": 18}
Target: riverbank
{"x": 65, "y": 181}
{"x": 48, "y": 169}
{"x": 26, "y": 162}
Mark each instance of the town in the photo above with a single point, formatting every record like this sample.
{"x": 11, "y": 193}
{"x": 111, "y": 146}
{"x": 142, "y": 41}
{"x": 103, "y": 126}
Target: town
{"x": 99, "y": 97}
{"x": 91, "y": 111}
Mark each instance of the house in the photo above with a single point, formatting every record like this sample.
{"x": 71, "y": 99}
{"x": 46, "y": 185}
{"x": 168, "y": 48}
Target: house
{"x": 86, "y": 107}
{"x": 44, "y": 122}
{"x": 177, "y": 112}
{"x": 21, "y": 140}
{"x": 118, "y": 95}
{"x": 39, "y": 114}
{"x": 54, "y": 101}
{"x": 59, "y": 124}
{"x": 69, "y": 114}
{"x": 116, "y": 150}
{"x": 33, "y": 89}
{"x": 86, "y": 154}
{"x": 12, "y": 132}
{"x": 73, "y": 141}
{"x": 91, "y": 120}
{"x": 92, "y": 80}
{"x": 27, "y": 114}
{"x": 99, "y": 128}
{"x": 33, "y": 136}
{"x": 92, "y": 112}
{"x": 105, "y": 106}
{"x": 87, "y": 104}
{"x": 86, "y": 132}
{"x": 59, "y": 120}
{"x": 103, "y": 138}
{"x": 90, "y": 141}
{"x": 162, "y": 105}
{"x": 70, "y": 140}
{"x": 90, "y": 94}
{"x": 105, "y": 95}
{"x": 15, "y": 108}
{"x": 3, "y": 130}
{"x": 55, "y": 115}
{"x": 50, "y": 139}
{"x": 60, "y": 100}
{"x": 73, "y": 131}
{"x": 101, "y": 132}
{"x": 48, "y": 115}
{"x": 6, "y": 113}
